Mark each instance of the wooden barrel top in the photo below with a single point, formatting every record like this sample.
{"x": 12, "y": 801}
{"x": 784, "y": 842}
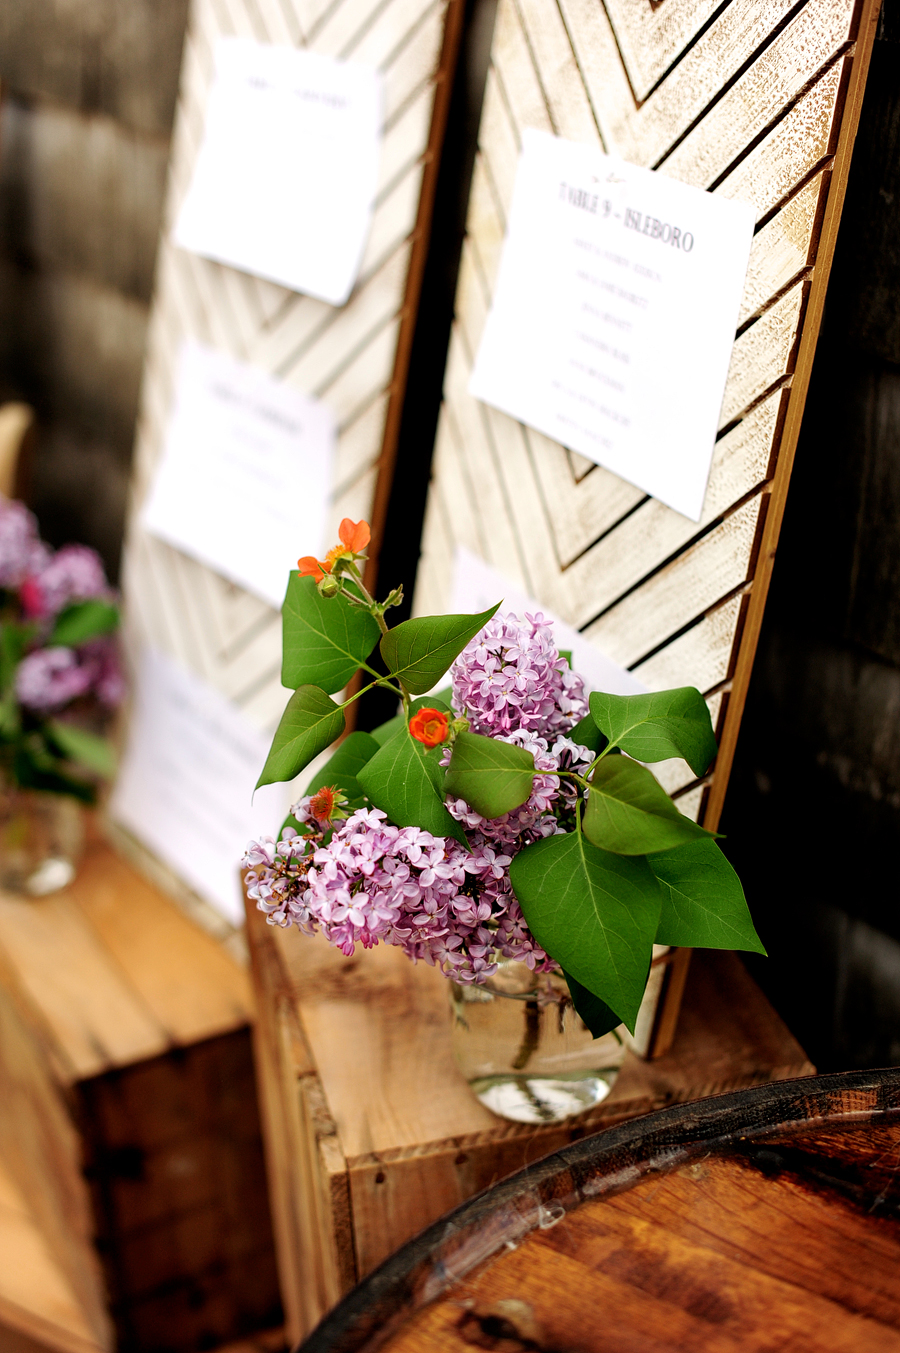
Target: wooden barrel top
{"x": 768, "y": 1219}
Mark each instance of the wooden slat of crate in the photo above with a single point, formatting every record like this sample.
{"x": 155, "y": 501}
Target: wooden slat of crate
{"x": 50, "y": 1287}
{"x": 101, "y": 975}
{"x": 372, "y": 1132}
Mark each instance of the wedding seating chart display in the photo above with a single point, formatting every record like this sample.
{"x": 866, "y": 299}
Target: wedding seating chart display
{"x": 752, "y": 106}
{"x": 286, "y": 176}
{"x": 614, "y": 313}
{"x": 246, "y": 472}
{"x": 246, "y": 378}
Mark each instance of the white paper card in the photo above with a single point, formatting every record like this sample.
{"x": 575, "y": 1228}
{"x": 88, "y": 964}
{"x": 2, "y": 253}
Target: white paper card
{"x": 286, "y": 175}
{"x": 614, "y": 314}
{"x": 476, "y": 586}
{"x": 246, "y": 472}
{"x": 187, "y": 778}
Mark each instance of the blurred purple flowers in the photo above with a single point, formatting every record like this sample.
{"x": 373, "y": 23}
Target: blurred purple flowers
{"x": 39, "y": 585}
{"x": 375, "y": 882}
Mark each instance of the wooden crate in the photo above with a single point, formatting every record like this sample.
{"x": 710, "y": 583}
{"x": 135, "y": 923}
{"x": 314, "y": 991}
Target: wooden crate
{"x": 100, "y": 977}
{"x": 372, "y": 1133}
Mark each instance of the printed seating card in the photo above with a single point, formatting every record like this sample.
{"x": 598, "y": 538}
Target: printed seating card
{"x": 185, "y": 788}
{"x": 614, "y": 314}
{"x": 245, "y": 477}
{"x": 285, "y": 179}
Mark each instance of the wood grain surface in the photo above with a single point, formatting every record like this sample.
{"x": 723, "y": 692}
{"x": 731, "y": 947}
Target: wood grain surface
{"x": 99, "y": 976}
{"x": 761, "y": 1220}
{"x": 372, "y": 1132}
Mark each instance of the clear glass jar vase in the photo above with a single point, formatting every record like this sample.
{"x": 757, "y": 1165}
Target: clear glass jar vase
{"x": 527, "y": 1054}
{"x": 41, "y": 840}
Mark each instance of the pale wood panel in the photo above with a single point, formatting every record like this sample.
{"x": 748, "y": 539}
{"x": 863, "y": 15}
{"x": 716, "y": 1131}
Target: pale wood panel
{"x": 345, "y": 356}
{"x": 681, "y": 591}
{"x": 761, "y": 106}
{"x": 820, "y": 31}
{"x": 795, "y": 146}
{"x": 762, "y": 355}
{"x": 781, "y": 250}
{"x": 652, "y": 534}
{"x": 699, "y": 657}
{"x": 651, "y": 37}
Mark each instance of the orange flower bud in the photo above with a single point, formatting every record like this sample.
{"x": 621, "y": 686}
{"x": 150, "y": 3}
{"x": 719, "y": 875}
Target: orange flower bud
{"x": 429, "y": 726}
{"x": 355, "y": 535}
{"x": 324, "y": 802}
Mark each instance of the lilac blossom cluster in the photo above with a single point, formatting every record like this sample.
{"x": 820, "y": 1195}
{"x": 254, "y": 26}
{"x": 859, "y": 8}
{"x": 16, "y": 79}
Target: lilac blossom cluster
{"x": 43, "y": 583}
{"x": 447, "y": 906}
{"x": 512, "y": 676}
{"x": 47, "y": 679}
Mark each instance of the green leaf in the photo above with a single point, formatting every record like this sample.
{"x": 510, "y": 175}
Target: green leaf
{"x": 567, "y": 654}
{"x": 658, "y": 725}
{"x": 13, "y": 642}
{"x": 629, "y": 812}
{"x": 83, "y": 620}
{"x": 418, "y": 652}
{"x": 325, "y": 639}
{"x": 587, "y": 734}
{"x": 35, "y": 768}
{"x": 595, "y": 1013}
{"x": 703, "y": 903}
{"x": 493, "y": 777}
{"x": 594, "y": 912}
{"x": 309, "y": 724}
{"x": 403, "y": 779}
{"x": 342, "y": 769}
{"x": 385, "y": 731}
{"x": 87, "y": 749}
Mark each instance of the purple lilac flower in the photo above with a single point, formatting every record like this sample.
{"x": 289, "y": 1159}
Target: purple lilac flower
{"x": 441, "y": 904}
{"x": 21, "y": 551}
{"x": 50, "y": 678}
{"x": 74, "y": 573}
{"x": 511, "y": 676}
{"x": 374, "y": 882}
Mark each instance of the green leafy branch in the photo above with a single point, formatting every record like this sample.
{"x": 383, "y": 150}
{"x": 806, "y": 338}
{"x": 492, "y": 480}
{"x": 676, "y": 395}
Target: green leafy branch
{"x": 632, "y": 872}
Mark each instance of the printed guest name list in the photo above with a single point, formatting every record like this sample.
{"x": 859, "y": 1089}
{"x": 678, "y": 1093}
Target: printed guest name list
{"x": 614, "y": 315}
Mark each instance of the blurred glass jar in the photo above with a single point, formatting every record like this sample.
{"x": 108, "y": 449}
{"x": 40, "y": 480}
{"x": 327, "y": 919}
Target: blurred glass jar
{"x": 526, "y": 1053}
{"x": 41, "y": 840}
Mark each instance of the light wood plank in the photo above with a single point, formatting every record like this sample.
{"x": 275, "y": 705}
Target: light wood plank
{"x": 813, "y": 39}
{"x": 681, "y": 591}
{"x": 651, "y": 37}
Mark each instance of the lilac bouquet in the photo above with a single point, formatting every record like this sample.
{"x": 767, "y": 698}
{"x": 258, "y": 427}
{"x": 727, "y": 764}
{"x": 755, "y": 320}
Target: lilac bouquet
{"x": 59, "y": 662}
{"x": 509, "y": 817}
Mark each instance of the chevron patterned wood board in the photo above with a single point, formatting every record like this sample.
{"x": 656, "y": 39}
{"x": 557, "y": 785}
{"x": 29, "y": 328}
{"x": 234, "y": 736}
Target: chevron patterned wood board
{"x": 753, "y": 102}
{"x": 346, "y": 356}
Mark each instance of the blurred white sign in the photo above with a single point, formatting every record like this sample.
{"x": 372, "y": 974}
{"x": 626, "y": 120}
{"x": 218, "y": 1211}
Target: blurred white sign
{"x": 246, "y": 472}
{"x": 614, "y": 314}
{"x": 284, "y": 183}
{"x": 476, "y": 586}
{"x": 186, "y": 781}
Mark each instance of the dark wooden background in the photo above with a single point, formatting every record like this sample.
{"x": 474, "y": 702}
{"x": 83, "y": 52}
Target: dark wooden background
{"x": 813, "y": 808}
